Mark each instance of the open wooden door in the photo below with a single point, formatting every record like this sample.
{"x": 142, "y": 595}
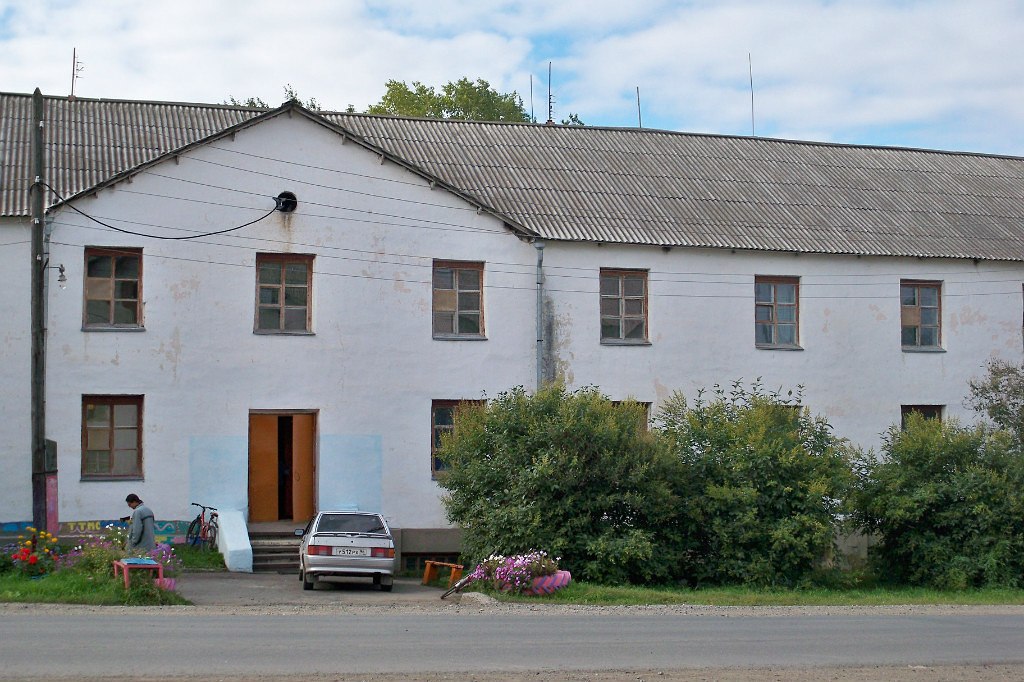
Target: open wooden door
{"x": 282, "y": 466}
{"x": 303, "y": 465}
{"x": 263, "y": 463}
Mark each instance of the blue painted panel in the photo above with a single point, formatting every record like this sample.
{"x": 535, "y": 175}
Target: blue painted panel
{"x": 219, "y": 471}
{"x": 350, "y": 472}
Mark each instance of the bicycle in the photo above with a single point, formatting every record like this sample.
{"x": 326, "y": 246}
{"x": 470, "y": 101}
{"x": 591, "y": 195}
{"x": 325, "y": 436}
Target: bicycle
{"x": 463, "y": 581}
{"x": 203, "y": 530}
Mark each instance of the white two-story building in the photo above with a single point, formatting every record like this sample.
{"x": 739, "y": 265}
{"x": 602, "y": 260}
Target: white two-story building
{"x": 275, "y": 312}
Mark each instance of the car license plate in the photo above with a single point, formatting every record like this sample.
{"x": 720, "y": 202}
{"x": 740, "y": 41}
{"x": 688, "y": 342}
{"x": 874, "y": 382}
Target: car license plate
{"x": 351, "y": 551}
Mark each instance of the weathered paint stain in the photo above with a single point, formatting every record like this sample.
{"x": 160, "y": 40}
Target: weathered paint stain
{"x": 184, "y": 289}
{"x": 826, "y": 322}
{"x": 879, "y": 315}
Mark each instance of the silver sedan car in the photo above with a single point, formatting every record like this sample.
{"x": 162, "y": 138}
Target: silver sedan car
{"x": 347, "y": 543}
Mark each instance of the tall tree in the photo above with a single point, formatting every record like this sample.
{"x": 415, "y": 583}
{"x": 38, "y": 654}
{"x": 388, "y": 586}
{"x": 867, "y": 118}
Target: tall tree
{"x": 462, "y": 99}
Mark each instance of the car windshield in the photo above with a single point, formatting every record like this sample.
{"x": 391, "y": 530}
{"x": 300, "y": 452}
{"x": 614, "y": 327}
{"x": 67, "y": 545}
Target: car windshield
{"x": 349, "y": 523}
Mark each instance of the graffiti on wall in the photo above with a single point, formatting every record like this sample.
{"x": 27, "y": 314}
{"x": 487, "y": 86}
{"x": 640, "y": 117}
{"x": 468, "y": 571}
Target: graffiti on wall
{"x": 165, "y": 531}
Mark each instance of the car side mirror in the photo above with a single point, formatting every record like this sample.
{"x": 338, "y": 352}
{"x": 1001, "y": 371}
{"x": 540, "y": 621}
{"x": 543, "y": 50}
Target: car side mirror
{"x": 299, "y": 532}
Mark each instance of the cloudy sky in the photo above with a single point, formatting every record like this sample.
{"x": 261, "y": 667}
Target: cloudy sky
{"x": 941, "y": 74}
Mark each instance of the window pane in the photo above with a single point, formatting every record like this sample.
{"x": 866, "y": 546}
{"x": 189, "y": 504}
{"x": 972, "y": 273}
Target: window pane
{"x": 97, "y": 462}
{"x": 97, "y": 415}
{"x": 295, "y": 273}
{"x": 440, "y": 464}
{"x": 785, "y": 293}
{"x": 929, "y": 316}
{"x": 610, "y": 329}
{"x": 763, "y": 313}
{"x": 126, "y": 415}
{"x": 929, "y": 296}
{"x": 444, "y": 323}
{"x": 634, "y": 306}
{"x": 125, "y": 462}
{"x": 295, "y": 319}
{"x": 909, "y": 336}
{"x": 610, "y": 306}
{"x": 634, "y": 329}
{"x": 469, "y": 300}
{"x": 270, "y": 296}
{"x": 763, "y": 333}
{"x": 469, "y": 323}
{"x": 609, "y": 285}
{"x": 99, "y": 289}
{"x": 97, "y": 439}
{"x": 633, "y": 286}
{"x": 126, "y": 289}
{"x": 787, "y": 333}
{"x": 908, "y": 295}
{"x": 127, "y": 267}
{"x": 444, "y": 278}
{"x": 469, "y": 279}
{"x": 125, "y": 312}
{"x": 270, "y": 318}
{"x": 126, "y": 439}
{"x": 97, "y": 312}
{"x": 445, "y": 299}
{"x": 762, "y": 293}
{"x": 270, "y": 273}
{"x": 295, "y": 296}
{"x": 444, "y": 416}
{"x": 98, "y": 266}
{"x": 786, "y": 313}
{"x": 929, "y": 336}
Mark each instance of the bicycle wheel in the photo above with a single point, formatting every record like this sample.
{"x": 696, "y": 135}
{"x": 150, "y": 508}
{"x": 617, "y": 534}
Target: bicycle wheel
{"x": 192, "y": 536}
{"x": 211, "y": 535}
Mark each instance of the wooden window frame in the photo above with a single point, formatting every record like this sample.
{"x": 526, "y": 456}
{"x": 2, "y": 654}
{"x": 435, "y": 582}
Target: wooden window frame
{"x": 284, "y": 259}
{"x": 437, "y": 429}
{"x": 927, "y": 411}
{"x": 110, "y": 324}
{"x": 113, "y": 401}
{"x": 773, "y": 322}
{"x": 911, "y": 315}
{"x": 448, "y": 301}
{"x": 622, "y": 316}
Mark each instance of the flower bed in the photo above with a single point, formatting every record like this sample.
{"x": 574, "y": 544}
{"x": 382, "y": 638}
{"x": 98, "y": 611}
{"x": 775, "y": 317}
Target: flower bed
{"x": 532, "y": 573}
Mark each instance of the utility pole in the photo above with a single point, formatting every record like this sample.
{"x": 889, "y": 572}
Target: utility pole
{"x": 38, "y": 369}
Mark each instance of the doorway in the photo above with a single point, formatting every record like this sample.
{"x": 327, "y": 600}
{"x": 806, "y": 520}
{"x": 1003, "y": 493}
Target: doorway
{"x": 282, "y": 466}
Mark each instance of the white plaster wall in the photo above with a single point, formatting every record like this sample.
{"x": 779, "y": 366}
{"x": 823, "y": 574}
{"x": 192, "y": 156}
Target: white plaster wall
{"x": 852, "y": 367}
{"x": 371, "y": 368}
{"x": 15, "y": 371}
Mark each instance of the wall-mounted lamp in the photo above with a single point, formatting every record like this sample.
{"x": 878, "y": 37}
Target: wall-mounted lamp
{"x": 62, "y": 279}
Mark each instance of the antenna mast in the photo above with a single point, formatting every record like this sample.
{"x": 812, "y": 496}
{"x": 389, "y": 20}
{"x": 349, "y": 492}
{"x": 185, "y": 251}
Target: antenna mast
{"x": 551, "y": 101}
{"x": 76, "y": 70}
{"x": 533, "y": 119}
{"x": 639, "y": 116}
{"x": 750, "y": 68}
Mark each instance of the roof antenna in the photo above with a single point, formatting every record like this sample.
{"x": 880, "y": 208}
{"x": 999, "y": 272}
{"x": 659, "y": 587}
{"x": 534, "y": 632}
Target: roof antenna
{"x": 639, "y": 116}
{"x": 750, "y": 68}
{"x": 551, "y": 101}
{"x": 76, "y": 70}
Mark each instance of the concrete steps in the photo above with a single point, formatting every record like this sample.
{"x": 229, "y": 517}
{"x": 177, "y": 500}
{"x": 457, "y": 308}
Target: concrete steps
{"x": 274, "y": 551}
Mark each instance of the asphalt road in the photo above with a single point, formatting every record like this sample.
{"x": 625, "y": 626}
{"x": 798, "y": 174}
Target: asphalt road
{"x": 180, "y": 642}
{"x": 265, "y": 627}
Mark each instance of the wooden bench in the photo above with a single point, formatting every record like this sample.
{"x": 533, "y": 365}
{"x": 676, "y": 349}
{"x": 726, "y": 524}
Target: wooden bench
{"x": 120, "y": 567}
{"x": 430, "y": 572}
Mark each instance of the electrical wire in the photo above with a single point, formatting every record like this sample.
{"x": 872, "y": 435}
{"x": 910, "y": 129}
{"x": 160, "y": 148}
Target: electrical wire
{"x": 155, "y": 236}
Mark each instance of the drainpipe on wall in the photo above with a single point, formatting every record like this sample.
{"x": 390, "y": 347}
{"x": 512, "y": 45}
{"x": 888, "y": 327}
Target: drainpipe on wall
{"x": 540, "y": 313}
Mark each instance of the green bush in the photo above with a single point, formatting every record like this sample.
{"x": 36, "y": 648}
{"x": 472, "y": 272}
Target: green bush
{"x": 946, "y": 503}
{"x": 567, "y": 472}
{"x": 761, "y": 486}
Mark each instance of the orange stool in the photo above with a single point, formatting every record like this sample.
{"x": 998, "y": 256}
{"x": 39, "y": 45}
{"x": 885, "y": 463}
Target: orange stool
{"x": 430, "y": 572}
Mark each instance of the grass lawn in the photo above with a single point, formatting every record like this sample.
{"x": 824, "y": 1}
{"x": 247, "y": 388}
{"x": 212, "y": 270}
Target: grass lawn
{"x": 601, "y": 595}
{"x": 197, "y": 559}
{"x": 71, "y": 587}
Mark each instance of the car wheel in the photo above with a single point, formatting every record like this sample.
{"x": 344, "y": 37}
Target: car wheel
{"x": 386, "y": 588}
{"x": 307, "y": 581}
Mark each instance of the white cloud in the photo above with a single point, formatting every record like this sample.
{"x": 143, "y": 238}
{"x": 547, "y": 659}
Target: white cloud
{"x": 936, "y": 73}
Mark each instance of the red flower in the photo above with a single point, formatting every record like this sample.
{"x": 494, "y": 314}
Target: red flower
{"x": 33, "y": 559}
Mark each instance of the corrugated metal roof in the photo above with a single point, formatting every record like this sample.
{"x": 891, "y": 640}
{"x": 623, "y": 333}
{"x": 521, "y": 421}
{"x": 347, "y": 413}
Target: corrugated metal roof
{"x": 604, "y": 184}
